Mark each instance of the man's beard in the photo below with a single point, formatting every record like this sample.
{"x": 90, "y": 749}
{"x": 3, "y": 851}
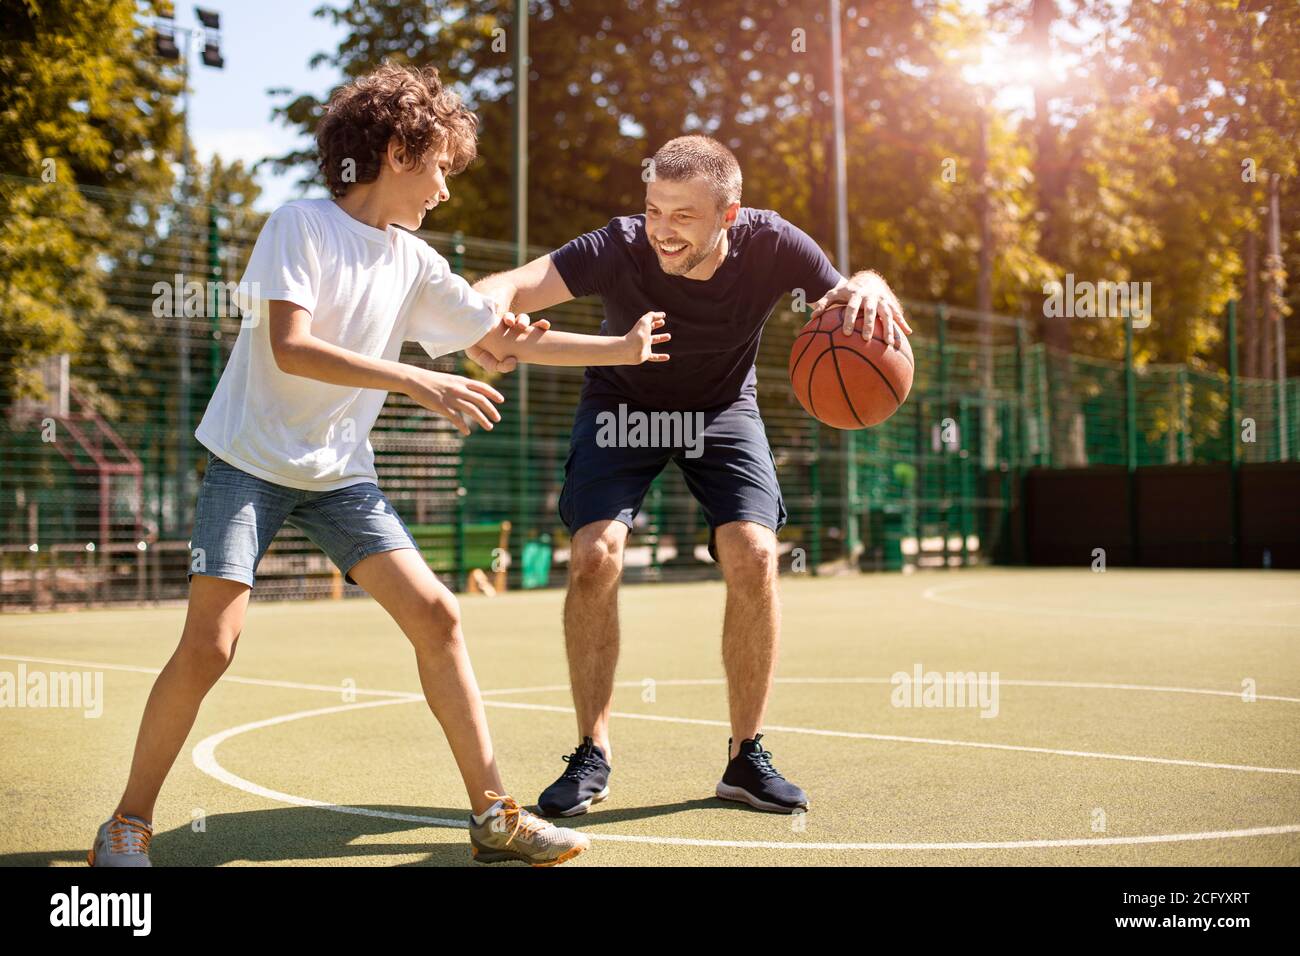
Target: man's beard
{"x": 686, "y": 265}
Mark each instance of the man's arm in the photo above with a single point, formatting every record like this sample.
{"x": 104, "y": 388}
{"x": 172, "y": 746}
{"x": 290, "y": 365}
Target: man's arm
{"x": 298, "y": 352}
{"x": 530, "y": 288}
{"x": 865, "y": 295}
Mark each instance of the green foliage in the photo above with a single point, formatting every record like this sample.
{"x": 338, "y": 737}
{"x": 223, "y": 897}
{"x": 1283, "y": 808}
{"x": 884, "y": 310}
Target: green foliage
{"x": 1127, "y": 168}
{"x": 83, "y": 105}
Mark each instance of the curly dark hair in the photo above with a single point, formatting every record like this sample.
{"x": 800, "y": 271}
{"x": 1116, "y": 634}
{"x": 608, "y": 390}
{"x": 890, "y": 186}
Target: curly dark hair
{"x": 394, "y": 101}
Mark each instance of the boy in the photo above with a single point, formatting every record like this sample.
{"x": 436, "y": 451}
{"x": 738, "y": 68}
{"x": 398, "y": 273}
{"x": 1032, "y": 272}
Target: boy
{"x": 331, "y": 292}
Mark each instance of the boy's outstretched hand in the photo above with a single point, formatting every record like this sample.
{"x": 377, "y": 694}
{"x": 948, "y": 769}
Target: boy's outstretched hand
{"x": 454, "y": 397}
{"x": 640, "y": 339}
{"x": 489, "y": 362}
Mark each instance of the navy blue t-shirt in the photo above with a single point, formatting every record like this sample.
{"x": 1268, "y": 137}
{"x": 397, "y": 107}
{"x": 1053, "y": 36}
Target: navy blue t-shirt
{"x": 716, "y": 324}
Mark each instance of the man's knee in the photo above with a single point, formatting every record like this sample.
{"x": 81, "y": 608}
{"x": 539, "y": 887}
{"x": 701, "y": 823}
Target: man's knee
{"x": 596, "y": 556}
{"x": 748, "y": 554}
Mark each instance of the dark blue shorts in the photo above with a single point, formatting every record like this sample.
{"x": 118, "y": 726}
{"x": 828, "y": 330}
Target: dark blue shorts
{"x": 723, "y": 455}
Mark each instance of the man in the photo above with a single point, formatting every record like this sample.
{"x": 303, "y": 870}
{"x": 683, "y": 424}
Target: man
{"x": 716, "y": 270}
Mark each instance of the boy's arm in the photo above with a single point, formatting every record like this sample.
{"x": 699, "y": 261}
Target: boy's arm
{"x": 298, "y": 352}
{"x": 532, "y": 287}
{"x": 517, "y": 339}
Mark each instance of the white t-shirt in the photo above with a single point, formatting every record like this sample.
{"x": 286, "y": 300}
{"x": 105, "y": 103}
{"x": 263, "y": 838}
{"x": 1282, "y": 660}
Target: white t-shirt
{"x": 368, "y": 290}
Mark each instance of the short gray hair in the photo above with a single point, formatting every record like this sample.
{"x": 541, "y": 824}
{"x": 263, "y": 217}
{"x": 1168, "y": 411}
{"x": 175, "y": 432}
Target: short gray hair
{"x": 689, "y": 156}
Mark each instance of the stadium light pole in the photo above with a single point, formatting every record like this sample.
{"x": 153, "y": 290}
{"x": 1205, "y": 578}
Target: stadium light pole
{"x": 521, "y": 231}
{"x": 1275, "y": 295}
{"x": 850, "y": 511}
{"x": 165, "y": 46}
{"x": 984, "y": 280}
{"x": 997, "y": 70}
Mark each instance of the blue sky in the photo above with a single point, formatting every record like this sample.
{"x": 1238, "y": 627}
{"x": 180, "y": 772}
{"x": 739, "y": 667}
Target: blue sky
{"x": 266, "y": 43}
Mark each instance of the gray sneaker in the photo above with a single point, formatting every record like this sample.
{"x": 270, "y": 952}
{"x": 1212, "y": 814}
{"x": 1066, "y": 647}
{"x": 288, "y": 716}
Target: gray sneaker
{"x": 512, "y": 833}
{"x": 121, "y": 841}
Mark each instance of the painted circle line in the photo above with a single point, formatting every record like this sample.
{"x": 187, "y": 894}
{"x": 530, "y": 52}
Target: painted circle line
{"x": 205, "y": 760}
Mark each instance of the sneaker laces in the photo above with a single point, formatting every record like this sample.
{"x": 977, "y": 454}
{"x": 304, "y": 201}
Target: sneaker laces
{"x": 128, "y": 836}
{"x": 762, "y": 761}
{"x": 516, "y": 817}
{"x": 582, "y": 763}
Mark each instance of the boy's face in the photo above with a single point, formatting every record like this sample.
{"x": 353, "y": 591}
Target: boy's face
{"x": 416, "y": 190}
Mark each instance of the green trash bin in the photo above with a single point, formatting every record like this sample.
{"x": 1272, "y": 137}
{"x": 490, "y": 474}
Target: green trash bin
{"x": 886, "y": 528}
{"x": 536, "y": 563}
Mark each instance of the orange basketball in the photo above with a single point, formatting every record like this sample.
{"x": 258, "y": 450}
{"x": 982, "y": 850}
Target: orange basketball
{"x": 845, "y": 381}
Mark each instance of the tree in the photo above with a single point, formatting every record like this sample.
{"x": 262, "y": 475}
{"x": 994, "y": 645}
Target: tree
{"x": 83, "y": 105}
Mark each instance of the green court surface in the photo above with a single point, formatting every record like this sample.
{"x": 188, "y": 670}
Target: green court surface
{"x": 1124, "y": 731}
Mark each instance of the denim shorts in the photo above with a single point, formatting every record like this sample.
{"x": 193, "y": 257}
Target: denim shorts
{"x": 238, "y": 515}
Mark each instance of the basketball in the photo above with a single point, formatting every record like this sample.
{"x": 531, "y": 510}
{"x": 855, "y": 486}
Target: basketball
{"x": 846, "y": 381}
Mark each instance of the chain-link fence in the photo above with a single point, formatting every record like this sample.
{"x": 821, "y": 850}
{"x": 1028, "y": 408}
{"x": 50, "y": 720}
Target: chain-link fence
{"x": 99, "y": 466}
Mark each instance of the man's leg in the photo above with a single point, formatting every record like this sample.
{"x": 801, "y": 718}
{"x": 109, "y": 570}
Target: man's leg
{"x": 213, "y": 623}
{"x": 429, "y": 615}
{"x": 733, "y": 476}
{"x": 752, "y": 624}
{"x": 750, "y": 635}
{"x": 591, "y": 625}
{"x": 604, "y": 487}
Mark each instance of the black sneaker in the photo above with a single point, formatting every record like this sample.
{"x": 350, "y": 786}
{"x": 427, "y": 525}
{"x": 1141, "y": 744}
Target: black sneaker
{"x": 751, "y": 778}
{"x": 586, "y": 781}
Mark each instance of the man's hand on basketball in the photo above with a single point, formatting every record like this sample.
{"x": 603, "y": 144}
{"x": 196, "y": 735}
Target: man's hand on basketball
{"x": 641, "y": 338}
{"x": 487, "y": 361}
{"x": 458, "y": 399}
{"x": 868, "y": 302}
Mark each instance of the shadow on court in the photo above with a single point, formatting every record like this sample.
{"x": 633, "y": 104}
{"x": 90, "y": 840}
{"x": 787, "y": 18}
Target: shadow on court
{"x": 287, "y": 835}
{"x": 292, "y": 835}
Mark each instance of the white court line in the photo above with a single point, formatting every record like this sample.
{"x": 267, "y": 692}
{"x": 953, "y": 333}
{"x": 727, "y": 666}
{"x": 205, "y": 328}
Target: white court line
{"x": 667, "y": 682}
{"x": 205, "y": 758}
{"x": 1081, "y": 685}
{"x": 894, "y": 738}
{"x": 937, "y": 594}
{"x": 206, "y": 761}
{"x": 404, "y": 696}
{"x": 255, "y": 681}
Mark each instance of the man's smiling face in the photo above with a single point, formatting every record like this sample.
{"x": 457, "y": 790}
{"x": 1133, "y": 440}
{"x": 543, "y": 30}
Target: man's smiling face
{"x": 684, "y": 224}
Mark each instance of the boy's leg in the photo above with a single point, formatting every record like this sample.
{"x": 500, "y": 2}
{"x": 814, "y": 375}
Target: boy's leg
{"x": 236, "y": 517}
{"x": 429, "y": 615}
{"x": 364, "y": 536}
{"x": 213, "y": 623}
{"x": 358, "y": 528}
